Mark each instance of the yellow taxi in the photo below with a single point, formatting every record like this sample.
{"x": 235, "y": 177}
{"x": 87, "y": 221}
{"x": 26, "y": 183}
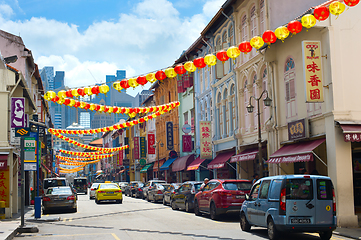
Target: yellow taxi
{"x": 108, "y": 192}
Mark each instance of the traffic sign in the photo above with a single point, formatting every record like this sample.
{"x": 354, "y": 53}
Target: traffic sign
{"x": 22, "y": 132}
{"x": 30, "y": 161}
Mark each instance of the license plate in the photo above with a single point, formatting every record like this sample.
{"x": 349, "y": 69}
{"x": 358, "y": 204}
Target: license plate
{"x": 300, "y": 220}
{"x": 239, "y": 196}
{"x": 110, "y": 192}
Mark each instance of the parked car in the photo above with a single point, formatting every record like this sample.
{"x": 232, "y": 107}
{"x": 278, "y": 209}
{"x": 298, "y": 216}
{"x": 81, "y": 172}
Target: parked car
{"x": 54, "y": 182}
{"x": 155, "y": 194}
{"x": 138, "y": 190}
{"x": 149, "y": 185}
{"x": 132, "y": 188}
{"x": 123, "y": 185}
{"x": 108, "y": 192}
{"x": 59, "y": 198}
{"x": 219, "y": 197}
{"x": 183, "y": 197}
{"x": 169, "y": 191}
{"x": 292, "y": 203}
{"x": 93, "y": 188}
{"x": 81, "y": 185}
{"x": 129, "y": 188}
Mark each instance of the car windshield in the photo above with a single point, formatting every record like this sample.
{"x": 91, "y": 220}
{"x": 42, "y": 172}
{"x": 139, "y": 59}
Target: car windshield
{"x": 240, "y": 186}
{"x": 299, "y": 189}
{"x": 58, "y": 191}
{"x": 197, "y": 186}
{"x": 78, "y": 182}
{"x": 108, "y": 185}
{"x": 54, "y": 183}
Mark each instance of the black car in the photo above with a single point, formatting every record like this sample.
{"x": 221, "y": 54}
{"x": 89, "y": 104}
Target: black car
{"x": 183, "y": 197}
{"x": 138, "y": 190}
{"x": 169, "y": 191}
{"x": 130, "y": 189}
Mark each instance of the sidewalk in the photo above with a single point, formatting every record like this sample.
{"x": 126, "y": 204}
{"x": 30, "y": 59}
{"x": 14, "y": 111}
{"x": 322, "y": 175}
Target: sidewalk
{"x": 354, "y": 233}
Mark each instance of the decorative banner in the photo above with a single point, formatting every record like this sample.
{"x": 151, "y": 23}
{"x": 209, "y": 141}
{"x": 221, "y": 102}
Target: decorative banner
{"x": 120, "y": 157}
{"x": 187, "y": 143}
{"x": 143, "y": 148}
{"x": 126, "y": 142}
{"x": 312, "y": 71}
{"x": 151, "y": 142}
{"x": 170, "y": 142}
{"x": 136, "y": 147}
{"x": 4, "y": 186}
{"x": 17, "y": 116}
{"x": 206, "y": 139}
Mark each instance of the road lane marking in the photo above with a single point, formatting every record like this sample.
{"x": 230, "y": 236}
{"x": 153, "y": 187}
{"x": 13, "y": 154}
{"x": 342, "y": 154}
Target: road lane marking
{"x": 115, "y": 236}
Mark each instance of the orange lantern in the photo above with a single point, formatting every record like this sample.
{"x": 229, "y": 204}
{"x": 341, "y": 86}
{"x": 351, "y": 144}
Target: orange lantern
{"x": 60, "y": 100}
{"x": 336, "y": 8}
{"x": 321, "y": 13}
{"x": 189, "y": 66}
{"x": 222, "y": 56}
{"x": 199, "y": 62}
{"x": 160, "y": 75}
{"x": 294, "y": 27}
{"x": 308, "y": 21}
{"x": 95, "y": 90}
{"x": 142, "y": 80}
{"x": 282, "y": 33}
{"x": 104, "y": 89}
{"x": 245, "y": 47}
{"x": 132, "y": 82}
{"x": 269, "y": 37}
{"x": 55, "y": 99}
{"x": 150, "y": 77}
{"x": 115, "y": 109}
{"x": 170, "y": 73}
{"x": 257, "y": 42}
{"x": 179, "y": 69}
{"x": 351, "y": 3}
{"x": 210, "y": 60}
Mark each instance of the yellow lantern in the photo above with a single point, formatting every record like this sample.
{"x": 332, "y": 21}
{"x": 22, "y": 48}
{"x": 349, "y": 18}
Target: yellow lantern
{"x": 104, "y": 89}
{"x": 110, "y": 110}
{"x": 210, "y": 60}
{"x": 127, "y": 110}
{"x": 133, "y": 114}
{"x": 233, "y": 52}
{"x": 75, "y": 93}
{"x": 61, "y": 101}
{"x": 308, "y": 21}
{"x": 88, "y": 91}
{"x": 62, "y": 94}
{"x": 170, "y": 73}
{"x": 189, "y": 66}
{"x": 150, "y": 77}
{"x": 49, "y": 95}
{"x": 101, "y": 109}
{"x": 82, "y": 105}
{"x": 256, "y": 42}
{"x": 282, "y": 33}
{"x": 336, "y": 8}
{"x": 116, "y": 86}
{"x": 72, "y": 102}
{"x": 133, "y": 82}
{"x": 92, "y": 107}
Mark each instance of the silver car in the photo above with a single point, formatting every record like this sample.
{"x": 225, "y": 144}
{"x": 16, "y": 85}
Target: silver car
{"x": 93, "y": 188}
{"x": 59, "y": 198}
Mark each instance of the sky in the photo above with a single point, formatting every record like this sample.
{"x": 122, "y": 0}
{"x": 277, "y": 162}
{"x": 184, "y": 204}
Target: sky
{"x": 89, "y": 39}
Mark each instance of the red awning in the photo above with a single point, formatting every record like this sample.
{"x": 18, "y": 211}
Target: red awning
{"x": 46, "y": 168}
{"x": 351, "y": 132}
{"x": 195, "y": 164}
{"x": 298, "y": 152}
{"x": 181, "y": 163}
{"x": 220, "y": 160}
{"x": 246, "y": 155}
{"x": 155, "y": 165}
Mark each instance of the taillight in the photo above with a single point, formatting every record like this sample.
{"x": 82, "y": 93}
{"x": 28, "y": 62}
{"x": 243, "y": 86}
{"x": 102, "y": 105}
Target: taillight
{"x": 118, "y": 191}
{"x": 46, "y": 199}
{"x": 140, "y": 190}
{"x": 224, "y": 193}
{"x": 193, "y": 190}
{"x": 70, "y": 198}
{"x": 334, "y": 201}
{"x": 283, "y": 199}
{"x": 159, "y": 192}
{"x": 93, "y": 189}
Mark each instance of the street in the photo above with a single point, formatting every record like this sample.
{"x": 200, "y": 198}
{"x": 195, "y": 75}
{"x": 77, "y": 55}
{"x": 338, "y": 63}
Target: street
{"x": 139, "y": 219}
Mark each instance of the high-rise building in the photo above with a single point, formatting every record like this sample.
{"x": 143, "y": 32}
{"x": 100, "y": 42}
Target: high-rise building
{"x": 59, "y": 79}
{"x": 47, "y": 75}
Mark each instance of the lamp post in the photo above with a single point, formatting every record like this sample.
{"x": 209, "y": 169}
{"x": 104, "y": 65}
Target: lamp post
{"x": 267, "y": 102}
{"x": 156, "y": 145}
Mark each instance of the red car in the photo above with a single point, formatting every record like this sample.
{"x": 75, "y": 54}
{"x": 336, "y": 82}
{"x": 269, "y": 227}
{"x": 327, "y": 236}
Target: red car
{"x": 221, "y": 196}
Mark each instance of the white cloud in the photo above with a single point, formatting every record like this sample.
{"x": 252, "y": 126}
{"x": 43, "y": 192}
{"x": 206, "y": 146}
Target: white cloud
{"x": 152, "y": 36}
{"x": 6, "y": 11}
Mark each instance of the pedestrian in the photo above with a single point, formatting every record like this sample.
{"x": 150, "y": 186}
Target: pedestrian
{"x": 205, "y": 181}
{"x": 255, "y": 178}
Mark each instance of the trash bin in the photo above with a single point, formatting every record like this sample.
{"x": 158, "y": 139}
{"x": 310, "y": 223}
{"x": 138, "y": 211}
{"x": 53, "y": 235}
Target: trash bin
{"x": 37, "y": 207}
{"x": 2, "y": 210}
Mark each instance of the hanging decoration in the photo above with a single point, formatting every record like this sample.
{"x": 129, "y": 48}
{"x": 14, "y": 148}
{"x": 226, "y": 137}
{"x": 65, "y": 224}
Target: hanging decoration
{"x": 222, "y": 56}
{"x": 179, "y": 69}
{"x": 81, "y": 154}
{"x": 199, "y": 62}
{"x": 351, "y": 3}
{"x": 233, "y": 52}
{"x": 160, "y": 75}
{"x": 321, "y": 13}
{"x": 245, "y": 47}
{"x": 269, "y": 37}
{"x": 308, "y": 21}
{"x": 282, "y": 33}
{"x": 133, "y": 82}
{"x": 257, "y": 42}
{"x": 294, "y": 27}
{"x": 210, "y": 60}
{"x": 170, "y": 73}
{"x": 336, "y": 8}
{"x": 189, "y": 66}
{"x": 150, "y": 77}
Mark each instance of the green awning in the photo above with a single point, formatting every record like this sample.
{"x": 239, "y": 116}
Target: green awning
{"x": 145, "y": 169}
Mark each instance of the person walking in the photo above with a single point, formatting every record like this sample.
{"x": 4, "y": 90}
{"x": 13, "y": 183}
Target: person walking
{"x": 205, "y": 181}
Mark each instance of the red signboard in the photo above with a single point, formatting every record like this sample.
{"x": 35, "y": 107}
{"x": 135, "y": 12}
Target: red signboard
{"x": 120, "y": 157}
{"x": 136, "y": 147}
{"x": 187, "y": 143}
{"x": 3, "y": 164}
{"x": 151, "y": 142}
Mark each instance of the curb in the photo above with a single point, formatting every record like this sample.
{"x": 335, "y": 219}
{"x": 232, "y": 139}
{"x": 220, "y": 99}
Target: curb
{"x": 346, "y": 235}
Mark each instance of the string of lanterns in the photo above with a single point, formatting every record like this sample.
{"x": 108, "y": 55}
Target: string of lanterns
{"x": 78, "y": 92}
{"x": 84, "y": 159}
{"x": 81, "y": 154}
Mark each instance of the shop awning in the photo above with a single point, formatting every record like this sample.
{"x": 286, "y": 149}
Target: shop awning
{"x": 220, "y": 160}
{"x": 146, "y": 168}
{"x": 167, "y": 164}
{"x": 351, "y": 132}
{"x": 246, "y": 155}
{"x": 155, "y": 166}
{"x": 181, "y": 163}
{"x": 298, "y": 152}
{"x": 195, "y": 164}
{"x": 46, "y": 168}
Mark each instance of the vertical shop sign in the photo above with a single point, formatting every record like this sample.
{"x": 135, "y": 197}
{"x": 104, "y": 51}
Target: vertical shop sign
{"x": 170, "y": 142}
{"x": 143, "y": 148}
{"x": 4, "y": 186}
{"x": 312, "y": 65}
{"x": 151, "y": 142}
{"x": 17, "y": 116}
{"x": 136, "y": 147}
{"x": 120, "y": 157}
{"x": 206, "y": 139}
{"x": 187, "y": 143}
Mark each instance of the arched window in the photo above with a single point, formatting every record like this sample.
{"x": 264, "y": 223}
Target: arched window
{"x": 253, "y": 26}
{"x": 289, "y": 77}
{"x": 231, "y": 37}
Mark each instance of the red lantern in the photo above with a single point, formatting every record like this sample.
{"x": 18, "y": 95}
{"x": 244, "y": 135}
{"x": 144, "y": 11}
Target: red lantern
{"x": 269, "y": 37}
{"x": 135, "y": 122}
{"x": 124, "y": 84}
{"x": 81, "y": 91}
{"x": 66, "y": 101}
{"x": 245, "y": 47}
{"x": 142, "y": 80}
{"x": 141, "y": 120}
{"x": 69, "y": 94}
{"x": 95, "y": 90}
{"x": 160, "y": 75}
{"x": 115, "y": 109}
{"x": 179, "y": 69}
{"x": 97, "y": 107}
{"x": 222, "y": 56}
{"x": 199, "y": 62}
{"x": 136, "y": 110}
{"x": 87, "y": 106}
{"x": 351, "y": 3}
{"x": 294, "y": 27}
{"x": 55, "y": 99}
{"x": 321, "y": 13}
{"x": 77, "y": 103}
{"x": 128, "y": 124}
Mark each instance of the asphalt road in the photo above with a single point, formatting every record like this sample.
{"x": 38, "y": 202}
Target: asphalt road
{"x": 139, "y": 219}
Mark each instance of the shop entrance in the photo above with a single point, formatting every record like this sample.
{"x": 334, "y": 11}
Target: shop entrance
{"x": 356, "y": 166}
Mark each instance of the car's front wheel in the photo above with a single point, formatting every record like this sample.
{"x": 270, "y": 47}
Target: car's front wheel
{"x": 271, "y": 230}
{"x": 325, "y": 235}
{"x": 245, "y": 226}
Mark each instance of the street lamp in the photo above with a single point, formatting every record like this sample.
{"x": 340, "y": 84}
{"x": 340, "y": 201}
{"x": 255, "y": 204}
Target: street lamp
{"x": 267, "y": 102}
{"x": 156, "y": 145}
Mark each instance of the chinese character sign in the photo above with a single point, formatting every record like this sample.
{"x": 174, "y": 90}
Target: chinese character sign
{"x": 17, "y": 112}
{"x": 312, "y": 71}
{"x": 143, "y": 149}
{"x": 187, "y": 143}
{"x": 4, "y": 186}
{"x": 206, "y": 139}
{"x": 120, "y": 157}
{"x": 136, "y": 147}
{"x": 170, "y": 143}
{"x": 151, "y": 142}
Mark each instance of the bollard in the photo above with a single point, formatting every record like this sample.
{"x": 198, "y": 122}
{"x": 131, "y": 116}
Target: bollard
{"x": 37, "y": 207}
{"x": 2, "y": 210}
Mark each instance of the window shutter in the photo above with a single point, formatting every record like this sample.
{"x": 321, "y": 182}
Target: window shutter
{"x": 287, "y": 91}
{"x": 185, "y": 78}
{"x": 292, "y": 89}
